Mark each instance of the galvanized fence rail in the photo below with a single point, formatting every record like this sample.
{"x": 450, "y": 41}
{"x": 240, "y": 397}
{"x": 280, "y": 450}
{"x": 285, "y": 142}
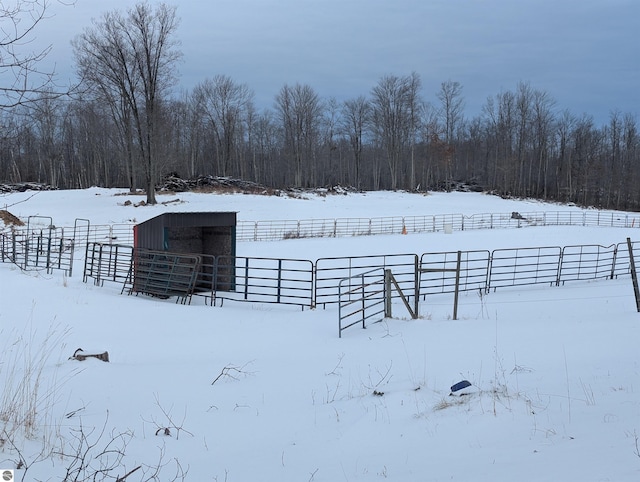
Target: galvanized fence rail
{"x": 16, "y": 246}
{"x": 41, "y": 245}
{"x": 524, "y": 266}
{"x": 104, "y": 261}
{"x": 361, "y": 299}
{"x": 110, "y": 233}
{"x": 437, "y": 271}
{"x": 622, "y": 265}
{"x": 306, "y": 283}
{"x": 263, "y": 280}
{"x": 341, "y": 227}
{"x": 588, "y": 218}
{"x": 588, "y": 262}
{"x": 273, "y": 230}
{"x": 330, "y": 271}
{"x": 41, "y": 248}
{"x": 345, "y": 227}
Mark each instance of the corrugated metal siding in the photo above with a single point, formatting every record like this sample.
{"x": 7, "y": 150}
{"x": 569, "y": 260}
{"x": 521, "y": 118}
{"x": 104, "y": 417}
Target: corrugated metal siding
{"x": 150, "y": 234}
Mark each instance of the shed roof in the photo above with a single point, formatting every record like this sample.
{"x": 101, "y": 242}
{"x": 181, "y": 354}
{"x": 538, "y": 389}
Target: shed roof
{"x": 189, "y": 219}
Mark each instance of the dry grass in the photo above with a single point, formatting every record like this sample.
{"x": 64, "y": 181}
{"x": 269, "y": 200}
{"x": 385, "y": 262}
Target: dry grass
{"x": 30, "y": 381}
{"x": 449, "y": 402}
{"x": 9, "y": 219}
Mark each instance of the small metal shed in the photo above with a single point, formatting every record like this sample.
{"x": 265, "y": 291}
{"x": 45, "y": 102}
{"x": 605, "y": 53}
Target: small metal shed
{"x": 208, "y": 233}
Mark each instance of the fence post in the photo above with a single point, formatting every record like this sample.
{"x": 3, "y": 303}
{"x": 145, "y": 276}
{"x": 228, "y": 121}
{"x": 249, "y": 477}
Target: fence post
{"x": 246, "y": 276}
{"x": 416, "y": 285}
{"x": 48, "y": 265}
{"x": 279, "y": 287}
{"x": 99, "y": 270}
{"x": 387, "y": 293}
{"x": 457, "y": 288}
{"x": 26, "y": 250}
{"x": 634, "y": 275}
{"x": 613, "y": 262}
{"x": 364, "y": 304}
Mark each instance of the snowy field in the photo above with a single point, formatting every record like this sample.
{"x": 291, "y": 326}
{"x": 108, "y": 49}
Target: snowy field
{"x": 250, "y": 392}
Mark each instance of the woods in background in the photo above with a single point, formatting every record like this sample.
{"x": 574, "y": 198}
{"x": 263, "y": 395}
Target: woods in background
{"x": 126, "y": 127}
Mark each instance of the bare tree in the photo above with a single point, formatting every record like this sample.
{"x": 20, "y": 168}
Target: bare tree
{"x": 264, "y": 149}
{"x": 523, "y": 112}
{"x": 586, "y": 141}
{"x": 47, "y": 119}
{"x": 394, "y": 119}
{"x": 543, "y": 122}
{"x": 565, "y": 185}
{"x": 630, "y": 153}
{"x": 329, "y": 168}
{"x": 451, "y": 108}
{"x": 501, "y": 125}
{"x": 129, "y": 61}
{"x": 450, "y": 115}
{"x": 429, "y": 138}
{"x": 414, "y": 104}
{"x": 224, "y": 105}
{"x": 300, "y": 113}
{"x": 94, "y": 155}
{"x": 26, "y": 81}
{"x": 356, "y": 117}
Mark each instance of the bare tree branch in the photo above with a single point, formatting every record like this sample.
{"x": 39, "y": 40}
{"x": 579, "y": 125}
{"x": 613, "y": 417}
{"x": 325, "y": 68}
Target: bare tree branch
{"x": 23, "y": 80}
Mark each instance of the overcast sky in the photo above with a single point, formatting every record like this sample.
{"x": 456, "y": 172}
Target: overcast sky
{"x": 585, "y": 53}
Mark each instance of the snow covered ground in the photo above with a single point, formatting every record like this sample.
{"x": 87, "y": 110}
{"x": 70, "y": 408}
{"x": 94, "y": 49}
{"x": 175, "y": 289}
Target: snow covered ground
{"x": 249, "y": 392}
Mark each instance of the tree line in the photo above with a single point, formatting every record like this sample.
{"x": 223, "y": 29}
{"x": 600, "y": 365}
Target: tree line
{"x": 124, "y": 126}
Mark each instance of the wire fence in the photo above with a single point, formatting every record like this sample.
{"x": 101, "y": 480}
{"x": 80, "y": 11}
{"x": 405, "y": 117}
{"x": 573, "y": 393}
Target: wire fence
{"x": 272, "y": 230}
{"x": 342, "y": 227}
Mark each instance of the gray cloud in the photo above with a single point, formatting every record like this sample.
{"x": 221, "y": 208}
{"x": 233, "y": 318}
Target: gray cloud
{"x": 586, "y": 53}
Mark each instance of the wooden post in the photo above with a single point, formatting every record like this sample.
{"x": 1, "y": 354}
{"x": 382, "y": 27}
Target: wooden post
{"x": 634, "y": 275}
{"x": 389, "y": 276}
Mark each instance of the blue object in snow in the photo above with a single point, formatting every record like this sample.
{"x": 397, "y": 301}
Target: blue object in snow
{"x": 459, "y": 386}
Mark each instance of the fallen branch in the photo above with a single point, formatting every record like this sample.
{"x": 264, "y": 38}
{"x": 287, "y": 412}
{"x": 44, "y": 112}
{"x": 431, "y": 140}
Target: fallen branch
{"x": 80, "y": 355}
{"x": 232, "y": 372}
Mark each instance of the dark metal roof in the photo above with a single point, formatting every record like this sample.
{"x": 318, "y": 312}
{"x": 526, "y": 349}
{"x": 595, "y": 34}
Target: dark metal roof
{"x": 150, "y": 234}
{"x": 188, "y": 219}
